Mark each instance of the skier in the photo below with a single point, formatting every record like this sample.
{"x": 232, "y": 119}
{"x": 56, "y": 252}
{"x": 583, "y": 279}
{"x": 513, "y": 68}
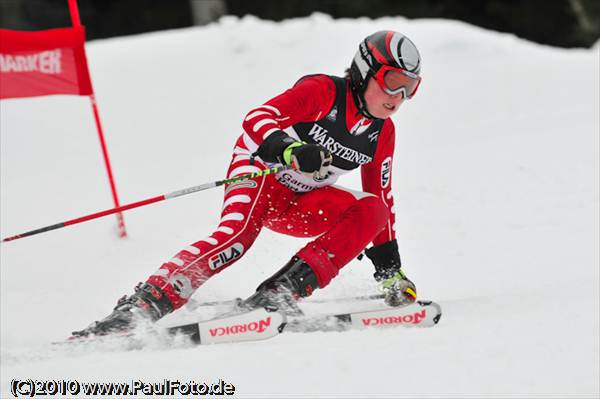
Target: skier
{"x": 324, "y": 126}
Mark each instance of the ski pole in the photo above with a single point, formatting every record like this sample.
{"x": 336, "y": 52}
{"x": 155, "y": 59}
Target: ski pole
{"x": 148, "y": 201}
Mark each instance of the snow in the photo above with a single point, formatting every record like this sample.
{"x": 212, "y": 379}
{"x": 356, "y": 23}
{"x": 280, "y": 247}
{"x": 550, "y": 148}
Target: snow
{"x": 497, "y": 199}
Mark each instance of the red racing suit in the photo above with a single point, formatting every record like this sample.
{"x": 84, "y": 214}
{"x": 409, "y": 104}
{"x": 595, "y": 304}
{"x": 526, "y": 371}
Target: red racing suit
{"x": 317, "y": 109}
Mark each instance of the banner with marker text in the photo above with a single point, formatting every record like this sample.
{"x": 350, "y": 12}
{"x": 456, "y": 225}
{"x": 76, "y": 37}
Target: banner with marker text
{"x": 43, "y": 63}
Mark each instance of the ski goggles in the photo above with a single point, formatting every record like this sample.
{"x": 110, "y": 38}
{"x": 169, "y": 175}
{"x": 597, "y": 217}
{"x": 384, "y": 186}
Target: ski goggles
{"x": 395, "y": 81}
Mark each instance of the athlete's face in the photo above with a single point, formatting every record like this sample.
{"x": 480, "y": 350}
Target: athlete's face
{"x": 379, "y": 103}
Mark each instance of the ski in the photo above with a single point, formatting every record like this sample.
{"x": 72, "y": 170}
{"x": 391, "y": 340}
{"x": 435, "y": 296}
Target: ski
{"x": 418, "y": 314}
{"x": 261, "y": 324}
{"x": 255, "y": 325}
{"x": 193, "y": 305}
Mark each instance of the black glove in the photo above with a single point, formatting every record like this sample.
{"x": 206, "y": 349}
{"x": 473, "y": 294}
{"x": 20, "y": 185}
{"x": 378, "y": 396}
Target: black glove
{"x": 271, "y": 149}
{"x": 386, "y": 259}
{"x": 308, "y": 158}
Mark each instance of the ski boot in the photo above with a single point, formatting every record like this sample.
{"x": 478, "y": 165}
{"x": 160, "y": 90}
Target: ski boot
{"x": 397, "y": 289}
{"x": 281, "y": 291}
{"x": 146, "y": 305}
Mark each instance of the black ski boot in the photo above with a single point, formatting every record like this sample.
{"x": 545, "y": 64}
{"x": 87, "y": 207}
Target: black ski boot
{"x": 281, "y": 291}
{"x": 147, "y": 304}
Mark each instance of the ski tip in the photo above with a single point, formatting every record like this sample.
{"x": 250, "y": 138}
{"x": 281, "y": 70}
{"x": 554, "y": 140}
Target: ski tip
{"x": 282, "y": 327}
{"x": 438, "y": 308}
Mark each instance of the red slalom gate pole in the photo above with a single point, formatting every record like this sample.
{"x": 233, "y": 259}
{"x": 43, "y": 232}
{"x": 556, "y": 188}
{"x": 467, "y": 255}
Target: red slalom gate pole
{"x": 149, "y": 201}
{"x": 111, "y": 179}
{"x": 76, "y": 21}
{"x": 74, "y": 11}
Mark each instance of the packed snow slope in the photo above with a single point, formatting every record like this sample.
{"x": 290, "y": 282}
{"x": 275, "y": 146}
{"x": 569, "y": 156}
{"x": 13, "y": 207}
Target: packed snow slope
{"x": 496, "y": 184}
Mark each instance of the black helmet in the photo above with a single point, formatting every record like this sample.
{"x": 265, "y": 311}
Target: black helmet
{"x": 383, "y": 49}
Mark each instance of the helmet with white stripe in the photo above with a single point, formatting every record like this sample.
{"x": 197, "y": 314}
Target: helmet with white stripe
{"x": 380, "y": 49}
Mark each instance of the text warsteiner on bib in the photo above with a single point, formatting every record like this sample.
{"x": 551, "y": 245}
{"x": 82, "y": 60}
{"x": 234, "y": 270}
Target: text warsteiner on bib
{"x": 350, "y": 149}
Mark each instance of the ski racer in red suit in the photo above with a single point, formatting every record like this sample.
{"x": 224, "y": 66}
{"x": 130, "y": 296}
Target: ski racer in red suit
{"x": 324, "y": 126}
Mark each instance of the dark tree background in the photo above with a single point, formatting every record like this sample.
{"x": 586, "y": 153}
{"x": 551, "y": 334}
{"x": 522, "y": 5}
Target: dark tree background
{"x": 563, "y": 23}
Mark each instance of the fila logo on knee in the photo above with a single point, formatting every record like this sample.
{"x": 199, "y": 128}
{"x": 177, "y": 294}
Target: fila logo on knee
{"x": 226, "y": 256}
